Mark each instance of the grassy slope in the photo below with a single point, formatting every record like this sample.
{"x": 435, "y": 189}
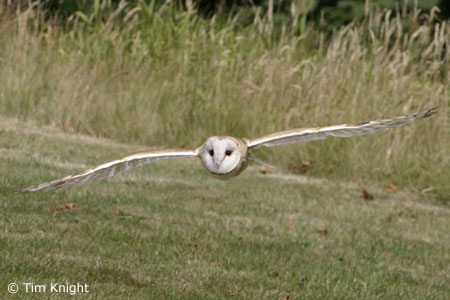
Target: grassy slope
{"x": 169, "y": 231}
{"x": 166, "y": 77}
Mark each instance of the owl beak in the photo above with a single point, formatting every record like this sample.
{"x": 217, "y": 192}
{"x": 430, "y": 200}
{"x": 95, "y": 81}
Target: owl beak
{"x": 218, "y": 160}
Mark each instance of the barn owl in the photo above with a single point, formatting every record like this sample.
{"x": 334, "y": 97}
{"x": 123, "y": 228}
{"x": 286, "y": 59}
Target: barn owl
{"x": 226, "y": 156}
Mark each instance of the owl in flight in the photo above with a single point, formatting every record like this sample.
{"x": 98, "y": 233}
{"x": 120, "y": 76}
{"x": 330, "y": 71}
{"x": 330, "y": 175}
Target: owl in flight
{"x": 226, "y": 156}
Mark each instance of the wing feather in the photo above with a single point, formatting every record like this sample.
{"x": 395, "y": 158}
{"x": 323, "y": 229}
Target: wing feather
{"x": 111, "y": 169}
{"x": 343, "y": 131}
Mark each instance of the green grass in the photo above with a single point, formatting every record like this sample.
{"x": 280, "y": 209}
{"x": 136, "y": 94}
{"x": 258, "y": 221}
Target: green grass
{"x": 80, "y": 92}
{"x": 158, "y": 76}
{"x": 169, "y": 231}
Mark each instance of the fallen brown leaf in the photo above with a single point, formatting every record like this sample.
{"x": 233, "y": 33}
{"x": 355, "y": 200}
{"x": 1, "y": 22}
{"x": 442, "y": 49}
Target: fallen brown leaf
{"x": 70, "y": 205}
{"x": 304, "y": 166}
{"x": 59, "y": 208}
{"x": 65, "y": 207}
{"x": 390, "y": 188}
{"x": 384, "y": 253}
{"x": 266, "y": 171}
{"x": 308, "y": 164}
{"x": 229, "y": 293}
{"x": 366, "y": 195}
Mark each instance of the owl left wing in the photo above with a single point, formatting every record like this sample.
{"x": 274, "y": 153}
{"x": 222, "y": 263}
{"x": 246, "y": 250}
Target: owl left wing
{"x": 111, "y": 168}
{"x": 345, "y": 130}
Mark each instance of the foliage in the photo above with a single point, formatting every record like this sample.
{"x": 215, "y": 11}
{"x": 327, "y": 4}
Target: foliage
{"x": 335, "y": 12}
{"x": 338, "y": 13}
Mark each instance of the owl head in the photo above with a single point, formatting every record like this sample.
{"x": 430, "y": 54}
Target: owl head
{"x": 222, "y": 155}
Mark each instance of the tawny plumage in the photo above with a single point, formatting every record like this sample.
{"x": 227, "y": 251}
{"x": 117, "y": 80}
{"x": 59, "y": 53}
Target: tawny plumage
{"x": 225, "y": 156}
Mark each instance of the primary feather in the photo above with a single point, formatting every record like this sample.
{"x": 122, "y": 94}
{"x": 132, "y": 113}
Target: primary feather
{"x": 345, "y": 130}
{"x": 111, "y": 168}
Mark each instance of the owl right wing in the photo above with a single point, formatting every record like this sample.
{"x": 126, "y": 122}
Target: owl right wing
{"x": 345, "y": 130}
{"x": 112, "y": 168}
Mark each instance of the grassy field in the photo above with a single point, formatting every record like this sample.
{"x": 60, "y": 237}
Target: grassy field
{"x": 157, "y": 76}
{"x": 78, "y": 92}
{"x": 169, "y": 231}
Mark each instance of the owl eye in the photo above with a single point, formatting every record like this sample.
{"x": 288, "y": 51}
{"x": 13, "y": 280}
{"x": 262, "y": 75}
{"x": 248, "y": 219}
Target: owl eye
{"x": 211, "y": 152}
{"x": 228, "y": 152}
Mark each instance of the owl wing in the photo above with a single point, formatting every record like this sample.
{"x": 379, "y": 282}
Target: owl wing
{"x": 111, "y": 168}
{"x": 345, "y": 130}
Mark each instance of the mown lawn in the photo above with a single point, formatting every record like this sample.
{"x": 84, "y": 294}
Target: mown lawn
{"x": 169, "y": 231}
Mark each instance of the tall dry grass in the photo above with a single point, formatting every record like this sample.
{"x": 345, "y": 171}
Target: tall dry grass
{"x": 165, "y": 77}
